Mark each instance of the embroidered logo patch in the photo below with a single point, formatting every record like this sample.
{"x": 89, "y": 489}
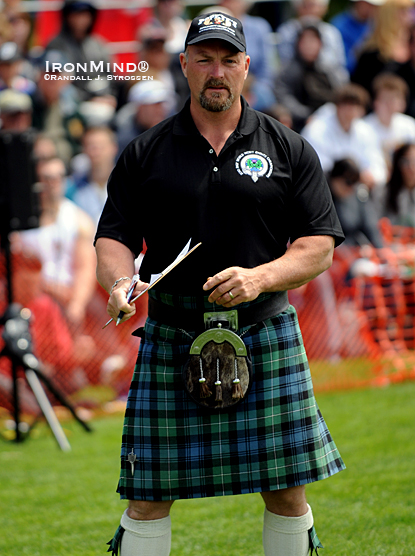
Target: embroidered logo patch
{"x": 217, "y": 19}
{"x": 254, "y": 164}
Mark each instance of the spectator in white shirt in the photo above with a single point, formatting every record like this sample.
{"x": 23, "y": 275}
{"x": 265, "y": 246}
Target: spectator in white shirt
{"x": 392, "y": 127}
{"x": 338, "y": 131}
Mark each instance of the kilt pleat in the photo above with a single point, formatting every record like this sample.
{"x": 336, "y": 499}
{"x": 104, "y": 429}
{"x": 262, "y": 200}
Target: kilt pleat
{"x": 275, "y": 438}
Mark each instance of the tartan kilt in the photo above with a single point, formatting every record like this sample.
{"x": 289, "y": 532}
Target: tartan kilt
{"x": 273, "y": 439}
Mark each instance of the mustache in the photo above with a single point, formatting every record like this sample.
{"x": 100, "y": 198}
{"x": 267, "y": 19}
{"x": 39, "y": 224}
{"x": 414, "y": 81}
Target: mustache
{"x": 214, "y": 83}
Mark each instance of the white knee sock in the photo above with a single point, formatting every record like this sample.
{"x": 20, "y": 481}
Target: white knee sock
{"x": 286, "y": 536}
{"x": 145, "y": 538}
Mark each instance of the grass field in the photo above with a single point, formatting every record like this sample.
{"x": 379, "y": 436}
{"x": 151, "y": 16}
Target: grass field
{"x": 64, "y": 504}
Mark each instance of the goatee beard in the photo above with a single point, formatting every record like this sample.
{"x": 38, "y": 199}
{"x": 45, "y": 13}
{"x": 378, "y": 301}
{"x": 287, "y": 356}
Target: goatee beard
{"x": 215, "y": 103}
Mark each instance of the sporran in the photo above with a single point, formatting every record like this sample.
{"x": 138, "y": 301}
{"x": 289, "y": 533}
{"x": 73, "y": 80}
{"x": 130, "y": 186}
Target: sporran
{"x": 218, "y": 372}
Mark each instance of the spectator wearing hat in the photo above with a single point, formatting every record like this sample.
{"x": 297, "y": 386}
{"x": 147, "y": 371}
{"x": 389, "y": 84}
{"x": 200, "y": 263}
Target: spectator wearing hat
{"x": 307, "y": 83}
{"x": 76, "y": 42}
{"x": 311, "y": 11}
{"x": 11, "y": 76}
{"x": 15, "y": 111}
{"x": 150, "y": 102}
{"x": 163, "y": 65}
{"x": 355, "y": 25}
{"x": 339, "y": 131}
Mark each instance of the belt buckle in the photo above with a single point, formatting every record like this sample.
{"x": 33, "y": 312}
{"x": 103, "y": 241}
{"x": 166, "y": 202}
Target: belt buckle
{"x": 226, "y": 319}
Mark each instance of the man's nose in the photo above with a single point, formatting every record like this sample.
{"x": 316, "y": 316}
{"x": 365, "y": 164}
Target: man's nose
{"x": 217, "y": 69}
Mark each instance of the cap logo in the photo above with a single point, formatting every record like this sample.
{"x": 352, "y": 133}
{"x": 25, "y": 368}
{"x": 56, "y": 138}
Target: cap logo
{"x": 217, "y": 21}
{"x": 254, "y": 164}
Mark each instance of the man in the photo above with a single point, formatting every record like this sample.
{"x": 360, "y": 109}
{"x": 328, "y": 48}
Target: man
{"x": 99, "y": 145}
{"x": 15, "y": 111}
{"x": 243, "y": 185}
{"x": 56, "y": 107}
{"x": 62, "y": 243}
{"x": 338, "y": 131}
{"x": 392, "y": 127}
{"x": 149, "y": 102}
{"x": 260, "y": 45}
{"x": 77, "y": 43}
{"x": 11, "y": 61}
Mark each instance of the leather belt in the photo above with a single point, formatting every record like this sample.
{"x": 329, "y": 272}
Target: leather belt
{"x": 191, "y": 319}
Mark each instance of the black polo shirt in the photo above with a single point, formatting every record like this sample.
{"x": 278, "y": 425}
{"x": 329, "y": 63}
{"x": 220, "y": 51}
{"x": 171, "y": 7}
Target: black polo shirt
{"x": 265, "y": 188}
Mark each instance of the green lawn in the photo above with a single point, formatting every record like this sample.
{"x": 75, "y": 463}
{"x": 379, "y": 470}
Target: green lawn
{"x": 64, "y": 504}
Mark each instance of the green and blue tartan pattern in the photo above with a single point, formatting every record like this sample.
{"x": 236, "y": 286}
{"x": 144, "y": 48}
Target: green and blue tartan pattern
{"x": 275, "y": 438}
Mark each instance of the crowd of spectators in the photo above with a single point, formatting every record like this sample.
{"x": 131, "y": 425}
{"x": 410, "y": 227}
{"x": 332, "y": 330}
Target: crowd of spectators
{"x": 346, "y": 82}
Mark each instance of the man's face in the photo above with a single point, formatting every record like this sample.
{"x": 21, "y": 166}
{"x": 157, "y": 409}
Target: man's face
{"x": 347, "y": 113}
{"x": 216, "y": 74}
{"x": 51, "y": 175}
{"x": 99, "y": 147}
{"x": 389, "y": 102}
{"x": 80, "y": 22}
{"x": 149, "y": 115}
{"x": 309, "y": 46}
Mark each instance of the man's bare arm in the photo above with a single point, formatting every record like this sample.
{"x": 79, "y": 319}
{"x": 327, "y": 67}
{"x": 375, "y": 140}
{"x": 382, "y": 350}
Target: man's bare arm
{"x": 305, "y": 259}
{"x": 115, "y": 261}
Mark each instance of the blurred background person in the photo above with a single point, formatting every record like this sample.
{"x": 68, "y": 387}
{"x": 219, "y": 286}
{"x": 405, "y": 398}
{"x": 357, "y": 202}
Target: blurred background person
{"x": 339, "y": 132}
{"x": 307, "y": 83}
{"x": 56, "y": 107}
{"x": 260, "y": 47}
{"x": 77, "y": 43}
{"x": 15, "y": 111}
{"x": 162, "y": 66}
{"x": 407, "y": 72}
{"x": 312, "y": 11}
{"x": 6, "y": 29}
{"x": 355, "y": 24}
{"x": 388, "y": 45}
{"x": 11, "y": 74}
{"x": 89, "y": 187}
{"x": 399, "y": 206}
{"x": 391, "y": 126}
{"x": 44, "y": 147}
{"x": 63, "y": 243}
{"x": 168, "y": 15}
{"x": 21, "y": 23}
{"x": 357, "y": 213}
{"x": 149, "y": 104}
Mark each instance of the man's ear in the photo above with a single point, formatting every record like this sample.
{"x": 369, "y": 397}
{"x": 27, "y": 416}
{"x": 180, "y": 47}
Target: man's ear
{"x": 183, "y": 63}
{"x": 247, "y": 63}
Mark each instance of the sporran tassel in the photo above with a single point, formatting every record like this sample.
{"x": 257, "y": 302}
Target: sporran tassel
{"x": 204, "y": 388}
{"x": 218, "y": 384}
{"x": 237, "y": 392}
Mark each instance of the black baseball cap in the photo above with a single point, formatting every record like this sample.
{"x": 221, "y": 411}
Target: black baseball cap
{"x": 216, "y": 25}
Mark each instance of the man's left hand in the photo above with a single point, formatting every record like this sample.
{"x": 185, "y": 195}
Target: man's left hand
{"x": 233, "y": 286}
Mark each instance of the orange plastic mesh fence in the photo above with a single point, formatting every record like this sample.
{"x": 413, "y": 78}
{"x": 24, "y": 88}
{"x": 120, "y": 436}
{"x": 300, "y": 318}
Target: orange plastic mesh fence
{"x": 357, "y": 319}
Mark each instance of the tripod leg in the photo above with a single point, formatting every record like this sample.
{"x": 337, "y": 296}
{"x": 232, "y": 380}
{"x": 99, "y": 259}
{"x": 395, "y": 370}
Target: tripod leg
{"x": 16, "y": 402}
{"x": 61, "y": 399}
{"x": 47, "y": 410}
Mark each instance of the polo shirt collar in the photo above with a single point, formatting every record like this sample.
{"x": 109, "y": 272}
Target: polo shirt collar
{"x": 184, "y": 124}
